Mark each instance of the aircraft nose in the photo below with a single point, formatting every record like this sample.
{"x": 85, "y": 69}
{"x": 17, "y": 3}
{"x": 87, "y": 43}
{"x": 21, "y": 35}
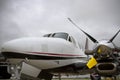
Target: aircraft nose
{"x": 10, "y": 46}
{"x": 35, "y": 44}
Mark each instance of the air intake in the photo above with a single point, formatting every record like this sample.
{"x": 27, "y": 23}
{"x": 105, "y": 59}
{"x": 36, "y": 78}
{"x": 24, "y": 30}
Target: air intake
{"x": 106, "y": 68}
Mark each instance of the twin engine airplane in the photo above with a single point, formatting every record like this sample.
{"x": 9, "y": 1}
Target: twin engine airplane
{"x": 53, "y": 53}
{"x": 60, "y": 53}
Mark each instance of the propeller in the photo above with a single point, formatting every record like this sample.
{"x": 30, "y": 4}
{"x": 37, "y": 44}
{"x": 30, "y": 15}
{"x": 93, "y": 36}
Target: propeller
{"x": 100, "y": 52}
{"x": 92, "y": 62}
{"x": 89, "y": 36}
{"x": 87, "y": 52}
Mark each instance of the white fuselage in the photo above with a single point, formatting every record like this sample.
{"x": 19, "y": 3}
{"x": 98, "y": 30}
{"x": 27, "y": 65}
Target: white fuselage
{"x": 43, "y": 53}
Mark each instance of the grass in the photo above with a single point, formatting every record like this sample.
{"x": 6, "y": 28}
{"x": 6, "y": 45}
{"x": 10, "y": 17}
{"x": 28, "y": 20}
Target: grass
{"x": 71, "y": 79}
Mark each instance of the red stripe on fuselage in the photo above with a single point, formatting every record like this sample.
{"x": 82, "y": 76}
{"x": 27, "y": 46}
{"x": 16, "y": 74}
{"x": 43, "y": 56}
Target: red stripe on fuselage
{"x": 54, "y": 54}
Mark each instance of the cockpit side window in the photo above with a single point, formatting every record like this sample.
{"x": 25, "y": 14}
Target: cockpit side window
{"x": 47, "y": 35}
{"x": 69, "y": 39}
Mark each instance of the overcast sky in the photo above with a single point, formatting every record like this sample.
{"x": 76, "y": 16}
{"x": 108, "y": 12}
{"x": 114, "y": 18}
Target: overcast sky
{"x": 26, "y": 18}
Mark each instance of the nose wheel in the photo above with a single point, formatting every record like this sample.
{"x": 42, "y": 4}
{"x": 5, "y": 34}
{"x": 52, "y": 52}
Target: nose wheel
{"x": 15, "y": 71}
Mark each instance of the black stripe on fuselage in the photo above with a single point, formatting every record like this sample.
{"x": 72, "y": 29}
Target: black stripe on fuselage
{"x": 34, "y": 57}
{"x": 75, "y": 68}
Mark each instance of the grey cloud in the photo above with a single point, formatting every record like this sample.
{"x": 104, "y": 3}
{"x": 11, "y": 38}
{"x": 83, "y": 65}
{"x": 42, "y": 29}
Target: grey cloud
{"x": 23, "y": 18}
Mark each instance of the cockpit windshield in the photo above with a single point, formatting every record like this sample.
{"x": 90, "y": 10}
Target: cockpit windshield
{"x": 58, "y": 35}
{"x": 61, "y": 35}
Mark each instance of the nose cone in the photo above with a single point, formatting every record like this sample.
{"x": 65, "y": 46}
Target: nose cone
{"x": 9, "y": 46}
{"x": 106, "y": 43}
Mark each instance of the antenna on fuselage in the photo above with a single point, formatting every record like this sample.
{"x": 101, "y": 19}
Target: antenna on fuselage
{"x": 86, "y": 44}
{"x": 89, "y": 36}
{"x": 87, "y": 47}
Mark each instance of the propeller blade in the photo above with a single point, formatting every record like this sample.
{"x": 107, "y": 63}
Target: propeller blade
{"x": 114, "y": 36}
{"x": 90, "y": 37}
